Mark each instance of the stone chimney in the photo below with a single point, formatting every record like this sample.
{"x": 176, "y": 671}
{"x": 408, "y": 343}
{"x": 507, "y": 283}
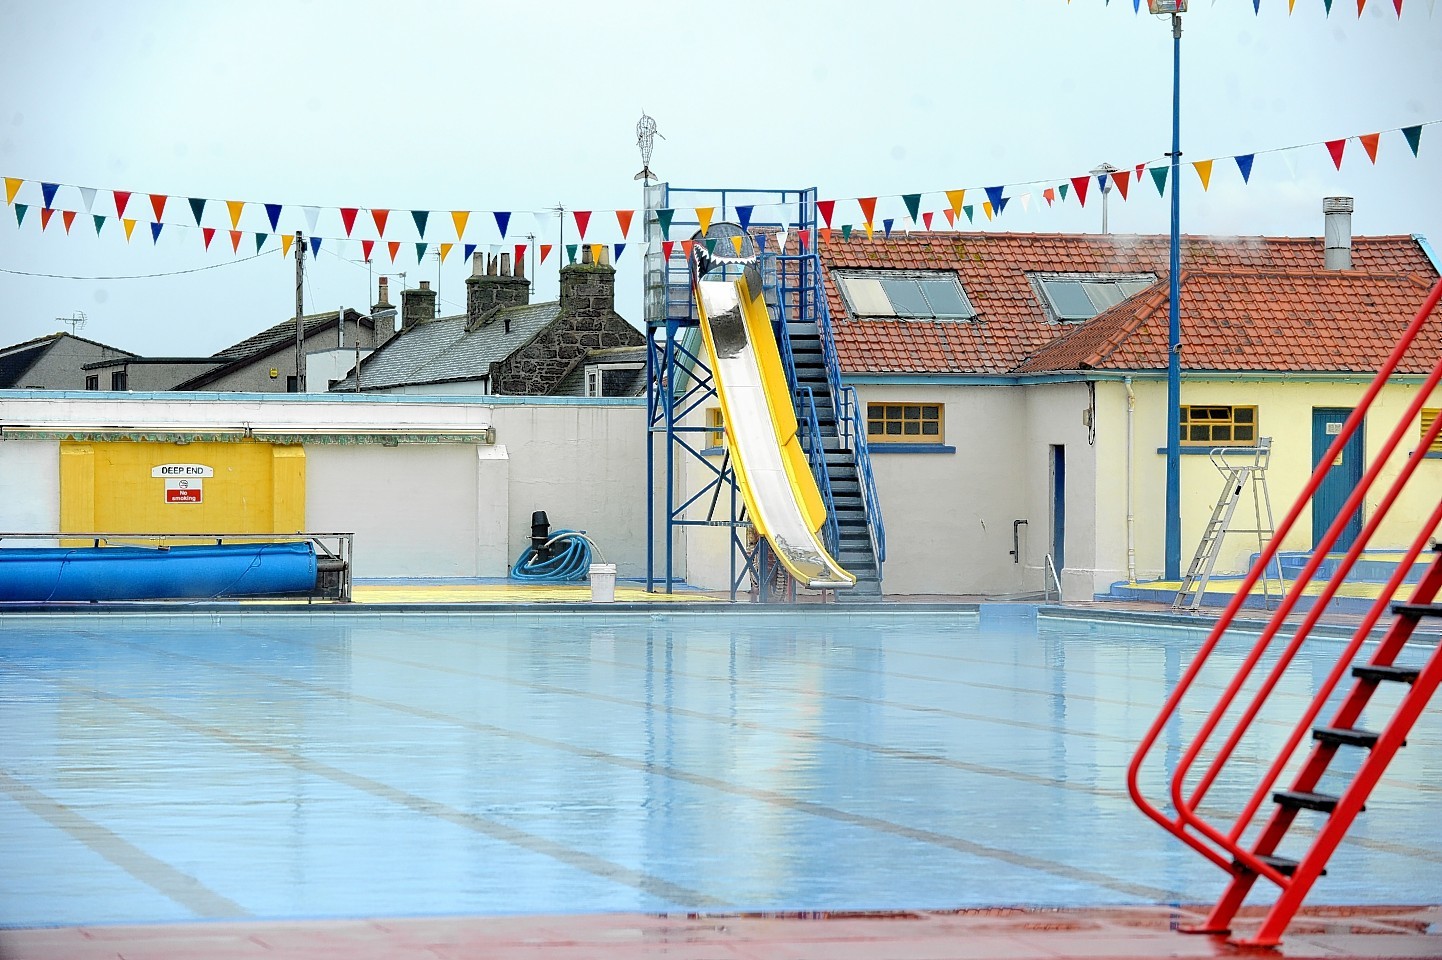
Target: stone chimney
{"x": 589, "y": 288}
{"x": 492, "y": 284}
{"x": 385, "y": 326}
{"x": 1337, "y": 227}
{"x": 418, "y": 306}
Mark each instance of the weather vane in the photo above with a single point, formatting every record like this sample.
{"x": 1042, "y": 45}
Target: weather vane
{"x": 646, "y": 134}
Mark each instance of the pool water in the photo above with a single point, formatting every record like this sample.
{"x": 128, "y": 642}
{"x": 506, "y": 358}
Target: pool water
{"x": 256, "y": 765}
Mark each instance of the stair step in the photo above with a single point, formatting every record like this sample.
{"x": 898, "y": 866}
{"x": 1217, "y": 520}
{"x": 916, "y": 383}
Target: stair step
{"x": 1302, "y": 800}
{"x": 1376, "y": 674}
{"x": 1336, "y": 736}
{"x": 1417, "y": 609}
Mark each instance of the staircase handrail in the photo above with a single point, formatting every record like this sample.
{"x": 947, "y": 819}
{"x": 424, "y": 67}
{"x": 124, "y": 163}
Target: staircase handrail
{"x": 856, "y": 429}
{"x": 809, "y": 431}
{"x": 1186, "y": 806}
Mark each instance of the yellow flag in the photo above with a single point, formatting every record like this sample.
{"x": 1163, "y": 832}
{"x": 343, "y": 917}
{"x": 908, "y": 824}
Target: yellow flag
{"x": 596, "y": 249}
{"x": 460, "y": 218}
{"x": 12, "y": 187}
{"x": 956, "y": 197}
{"x": 445, "y": 249}
{"x": 285, "y": 241}
{"x": 868, "y": 229}
{"x": 129, "y": 228}
{"x": 986, "y": 208}
{"x": 703, "y": 217}
{"x": 1290, "y": 5}
{"x": 1204, "y": 170}
{"x": 736, "y": 242}
{"x": 235, "y": 207}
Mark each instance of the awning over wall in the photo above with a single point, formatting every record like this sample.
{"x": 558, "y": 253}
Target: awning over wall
{"x": 313, "y": 435}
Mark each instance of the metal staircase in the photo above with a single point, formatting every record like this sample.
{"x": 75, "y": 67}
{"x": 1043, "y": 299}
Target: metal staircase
{"x": 1236, "y": 477}
{"x": 1249, "y": 844}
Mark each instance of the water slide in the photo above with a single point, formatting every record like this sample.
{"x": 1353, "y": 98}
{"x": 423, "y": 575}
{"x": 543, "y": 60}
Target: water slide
{"x": 772, "y": 470}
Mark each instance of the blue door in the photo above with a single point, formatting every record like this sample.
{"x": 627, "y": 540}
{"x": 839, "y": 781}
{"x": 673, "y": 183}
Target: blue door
{"x": 1343, "y": 478}
{"x": 1058, "y": 507}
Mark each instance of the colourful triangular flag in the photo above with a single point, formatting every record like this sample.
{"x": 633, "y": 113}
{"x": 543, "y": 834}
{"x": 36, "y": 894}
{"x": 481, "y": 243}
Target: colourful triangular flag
{"x": 272, "y": 213}
{"x": 122, "y": 198}
{"x": 703, "y": 217}
{"x": 1122, "y": 178}
{"x": 520, "y": 251}
{"x": 616, "y": 255}
{"x": 1049, "y": 195}
{"x": 993, "y": 195}
{"x": 955, "y": 198}
{"x": 285, "y": 241}
{"x": 1079, "y": 184}
{"x": 571, "y": 252}
{"x": 157, "y": 203}
{"x": 686, "y": 246}
{"x": 968, "y": 211}
{"x": 868, "y": 209}
{"x": 12, "y": 187}
{"x": 1062, "y": 190}
{"x": 826, "y": 208}
{"x": 950, "y": 216}
{"x": 913, "y": 204}
{"x": 986, "y": 208}
{"x": 421, "y": 251}
{"x": 845, "y": 232}
{"x": 1414, "y": 137}
{"x": 20, "y": 209}
{"x": 235, "y": 206}
{"x": 503, "y": 220}
{"x": 445, "y": 251}
{"x": 1335, "y": 148}
{"x": 87, "y": 197}
{"x": 45, "y": 214}
{"x": 197, "y": 207}
{"x": 347, "y": 218}
{"x": 1204, "y": 171}
{"x": 260, "y": 239}
{"x": 582, "y": 218}
{"x": 421, "y": 217}
{"x": 68, "y": 216}
{"x": 366, "y": 247}
{"x": 155, "y": 232}
{"x": 314, "y": 246}
{"x": 380, "y": 217}
{"x": 467, "y": 250}
{"x": 207, "y": 234}
{"x": 668, "y": 247}
{"x": 1369, "y": 143}
{"x": 596, "y": 249}
{"x": 663, "y": 217}
{"x": 460, "y": 218}
{"x": 545, "y": 251}
{"x": 886, "y": 227}
{"x": 623, "y": 219}
{"x": 235, "y": 236}
{"x": 826, "y": 233}
{"x": 47, "y": 190}
{"x": 926, "y": 220}
{"x": 99, "y": 222}
{"x": 129, "y": 226}
{"x": 1159, "y": 177}
{"x": 743, "y": 217}
{"x": 1244, "y": 164}
{"x": 312, "y": 217}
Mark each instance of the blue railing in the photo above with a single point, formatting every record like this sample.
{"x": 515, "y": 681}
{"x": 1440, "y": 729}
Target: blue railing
{"x": 808, "y": 429}
{"x": 855, "y": 438}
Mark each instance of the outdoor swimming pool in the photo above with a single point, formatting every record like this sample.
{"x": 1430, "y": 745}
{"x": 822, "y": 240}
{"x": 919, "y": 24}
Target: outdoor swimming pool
{"x": 255, "y": 765}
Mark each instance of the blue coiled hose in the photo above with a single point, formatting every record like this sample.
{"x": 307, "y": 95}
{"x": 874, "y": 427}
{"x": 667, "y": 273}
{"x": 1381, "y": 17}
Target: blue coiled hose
{"x": 570, "y": 560}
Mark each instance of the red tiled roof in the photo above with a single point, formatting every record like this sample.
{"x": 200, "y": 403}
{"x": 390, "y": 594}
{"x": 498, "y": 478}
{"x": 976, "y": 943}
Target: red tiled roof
{"x": 1255, "y": 320}
{"x": 1011, "y": 324}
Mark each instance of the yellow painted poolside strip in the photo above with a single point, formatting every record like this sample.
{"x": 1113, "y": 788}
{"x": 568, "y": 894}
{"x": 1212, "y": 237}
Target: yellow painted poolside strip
{"x": 506, "y": 593}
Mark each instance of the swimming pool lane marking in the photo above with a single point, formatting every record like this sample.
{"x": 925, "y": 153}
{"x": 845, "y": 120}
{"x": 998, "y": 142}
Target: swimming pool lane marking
{"x": 891, "y": 752}
{"x": 578, "y": 859}
{"x": 160, "y": 876}
{"x": 771, "y": 797}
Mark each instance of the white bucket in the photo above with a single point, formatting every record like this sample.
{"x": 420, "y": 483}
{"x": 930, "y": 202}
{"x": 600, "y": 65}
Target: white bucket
{"x": 603, "y": 583}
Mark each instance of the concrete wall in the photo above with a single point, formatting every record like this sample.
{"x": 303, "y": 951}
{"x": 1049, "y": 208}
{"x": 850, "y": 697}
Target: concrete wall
{"x": 151, "y": 376}
{"x": 29, "y": 489}
{"x": 60, "y": 368}
{"x": 255, "y": 377}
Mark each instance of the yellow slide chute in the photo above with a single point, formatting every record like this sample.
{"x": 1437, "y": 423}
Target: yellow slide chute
{"x": 772, "y": 470}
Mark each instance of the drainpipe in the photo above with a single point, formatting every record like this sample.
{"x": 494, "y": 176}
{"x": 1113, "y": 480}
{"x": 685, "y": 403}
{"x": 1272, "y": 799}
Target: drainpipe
{"x": 1131, "y": 513}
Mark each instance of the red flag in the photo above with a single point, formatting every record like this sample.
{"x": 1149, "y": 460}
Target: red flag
{"x": 1048, "y": 195}
{"x": 1079, "y": 184}
{"x": 1369, "y": 143}
{"x": 122, "y": 197}
{"x": 1121, "y": 178}
{"x": 545, "y": 251}
{"x": 868, "y": 208}
{"x": 623, "y": 217}
{"x": 686, "y": 246}
{"x": 583, "y": 217}
{"x": 366, "y": 247}
{"x": 69, "y": 217}
{"x": 347, "y": 217}
{"x": 157, "y": 203}
{"x": 826, "y": 208}
{"x": 394, "y": 245}
{"x": 667, "y": 248}
{"x": 926, "y": 219}
{"x": 235, "y": 241}
{"x": 45, "y": 215}
{"x": 1141, "y": 169}
{"x": 950, "y": 216}
{"x": 380, "y": 216}
{"x": 520, "y": 254}
{"x": 1335, "y": 148}
{"x": 209, "y": 234}
{"x": 805, "y": 237}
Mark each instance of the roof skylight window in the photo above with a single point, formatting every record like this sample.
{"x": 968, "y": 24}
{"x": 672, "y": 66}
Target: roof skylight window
{"x": 910, "y": 295}
{"x": 1073, "y": 297}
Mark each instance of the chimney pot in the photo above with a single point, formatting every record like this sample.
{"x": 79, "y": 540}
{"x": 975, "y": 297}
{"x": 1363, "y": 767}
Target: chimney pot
{"x": 505, "y": 264}
{"x": 490, "y": 266}
{"x": 1337, "y": 228}
{"x": 586, "y": 253}
{"x": 478, "y": 265}
{"x": 425, "y": 284}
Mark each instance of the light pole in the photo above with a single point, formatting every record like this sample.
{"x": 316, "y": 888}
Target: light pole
{"x": 1173, "y": 546}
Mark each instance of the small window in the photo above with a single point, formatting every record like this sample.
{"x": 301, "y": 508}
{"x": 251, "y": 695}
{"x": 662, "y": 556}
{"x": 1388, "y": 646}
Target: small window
{"x": 118, "y": 380}
{"x": 716, "y": 428}
{"x": 92, "y": 382}
{"x": 612, "y": 379}
{"x": 931, "y": 295}
{"x": 1429, "y": 417}
{"x": 1076, "y": 297}
{"x": 1216, "y": 425}
{"x": 904, "y": 423}
{"x": 292, "y": 385}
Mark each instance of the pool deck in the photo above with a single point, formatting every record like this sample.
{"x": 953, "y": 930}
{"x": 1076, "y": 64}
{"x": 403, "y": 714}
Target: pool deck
{"x": 1000, "y": 933}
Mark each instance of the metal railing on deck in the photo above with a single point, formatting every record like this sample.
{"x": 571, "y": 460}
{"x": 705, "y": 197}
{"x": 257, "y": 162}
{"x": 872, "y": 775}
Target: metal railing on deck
{"x": 809, "y": 432}
{"x": 855, "y": 440}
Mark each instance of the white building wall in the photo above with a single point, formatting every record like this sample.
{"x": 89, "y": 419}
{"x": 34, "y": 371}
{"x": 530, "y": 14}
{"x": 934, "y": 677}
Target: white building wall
{"x": 29, "y": 490}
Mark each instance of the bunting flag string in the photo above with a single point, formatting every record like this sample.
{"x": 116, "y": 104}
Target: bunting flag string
{"x": 894, "y": 212}
{"x": 1292, "y": 7}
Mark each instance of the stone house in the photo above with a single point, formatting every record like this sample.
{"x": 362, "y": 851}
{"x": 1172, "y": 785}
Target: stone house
{"x": 505, "y": 345}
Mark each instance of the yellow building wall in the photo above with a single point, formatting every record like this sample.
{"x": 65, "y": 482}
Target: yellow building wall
{"x": 108, "y": 488}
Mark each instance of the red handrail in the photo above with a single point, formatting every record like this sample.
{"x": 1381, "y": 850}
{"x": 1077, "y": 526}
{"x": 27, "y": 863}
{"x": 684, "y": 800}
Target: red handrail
{"x": 1186, "y": 807}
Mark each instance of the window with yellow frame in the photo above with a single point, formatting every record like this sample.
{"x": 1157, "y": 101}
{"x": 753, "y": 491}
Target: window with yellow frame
{"x": 715, "y": 428}
{"x": 904, "y": 423}
{"x": 1219, "y": 425}
{"x": 1429, "y": 417}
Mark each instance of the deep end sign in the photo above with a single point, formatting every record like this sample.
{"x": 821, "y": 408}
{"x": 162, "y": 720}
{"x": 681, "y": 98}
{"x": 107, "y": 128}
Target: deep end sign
{"x": 183, "y": 481}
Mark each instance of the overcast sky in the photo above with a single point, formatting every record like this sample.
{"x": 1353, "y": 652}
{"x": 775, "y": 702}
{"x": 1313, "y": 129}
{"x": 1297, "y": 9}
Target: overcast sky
{"x": 521, "y": 106}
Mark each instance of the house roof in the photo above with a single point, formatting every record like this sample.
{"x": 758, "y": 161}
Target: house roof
{"x": 444, "y": 350}
{"x": 266, "y": 342}
{"x": 1255, "y": 320}
{"x": 1011, "y": 323}
{"x": 573, "y": 384}
{"x": 18, "y": 358}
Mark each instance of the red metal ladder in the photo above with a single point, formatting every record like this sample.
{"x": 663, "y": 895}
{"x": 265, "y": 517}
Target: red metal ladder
{"x": 1244, "y": 846}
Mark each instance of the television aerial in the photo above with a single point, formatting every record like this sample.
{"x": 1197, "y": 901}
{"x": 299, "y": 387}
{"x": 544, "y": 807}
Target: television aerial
{"x": 75, "y": 322}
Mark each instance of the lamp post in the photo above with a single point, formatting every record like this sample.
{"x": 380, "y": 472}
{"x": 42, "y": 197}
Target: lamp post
{"x": 1173, "y": 545}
